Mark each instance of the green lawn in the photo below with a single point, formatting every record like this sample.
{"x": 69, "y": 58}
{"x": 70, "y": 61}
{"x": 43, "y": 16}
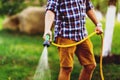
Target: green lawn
{"x": 1, "y": 21}
{"x": 19, "y": 55}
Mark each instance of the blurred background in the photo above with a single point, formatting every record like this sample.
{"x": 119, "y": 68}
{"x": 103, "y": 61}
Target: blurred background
{"x": 21, "y": 43}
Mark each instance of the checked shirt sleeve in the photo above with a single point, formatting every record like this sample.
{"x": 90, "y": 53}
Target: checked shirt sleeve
{"x": 89, "y": 5}
{"x": 52, "y": 5}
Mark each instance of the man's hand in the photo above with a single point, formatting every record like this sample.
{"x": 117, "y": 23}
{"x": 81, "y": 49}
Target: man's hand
{"x": 99, "y": 29}
{"x": 48, "y": 32}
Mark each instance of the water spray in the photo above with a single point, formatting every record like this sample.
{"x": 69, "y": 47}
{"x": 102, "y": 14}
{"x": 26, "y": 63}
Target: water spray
{"x": 43, "y": 72}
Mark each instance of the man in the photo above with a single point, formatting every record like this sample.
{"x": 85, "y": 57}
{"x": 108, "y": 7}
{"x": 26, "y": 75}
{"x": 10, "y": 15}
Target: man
{"x": 69, "y": 20}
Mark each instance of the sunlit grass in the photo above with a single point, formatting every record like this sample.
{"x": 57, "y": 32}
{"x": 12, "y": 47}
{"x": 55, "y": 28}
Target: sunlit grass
{"x": 116, "y": 39}
{"x": 1, "y": 21}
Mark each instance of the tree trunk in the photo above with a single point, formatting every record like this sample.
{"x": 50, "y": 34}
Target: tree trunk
{"x": 112, "y": 2}
{"x": 110, "y": 21}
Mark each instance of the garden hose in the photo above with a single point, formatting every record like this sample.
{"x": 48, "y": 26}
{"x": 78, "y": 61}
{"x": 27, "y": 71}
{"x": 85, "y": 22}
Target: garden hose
{"x": 101, "y": 71}
{"x": 74, "y": 44}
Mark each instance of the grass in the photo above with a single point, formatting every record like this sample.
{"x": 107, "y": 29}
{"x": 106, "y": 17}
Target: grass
{"x": 19, "y": 55}
{"x": 1, "y": 21}
{"x": 116, "y": 37}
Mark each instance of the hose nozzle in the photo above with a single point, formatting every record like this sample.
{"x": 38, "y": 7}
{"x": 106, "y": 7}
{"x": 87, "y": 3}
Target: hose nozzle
{"x": 47, "y": 42}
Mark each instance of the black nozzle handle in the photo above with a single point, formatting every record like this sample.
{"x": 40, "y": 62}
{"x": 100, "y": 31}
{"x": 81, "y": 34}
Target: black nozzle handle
{"x": 47, "y": 41}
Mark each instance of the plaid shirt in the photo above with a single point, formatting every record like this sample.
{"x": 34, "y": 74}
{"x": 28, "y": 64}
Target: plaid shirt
{"x": 70, "y": 17}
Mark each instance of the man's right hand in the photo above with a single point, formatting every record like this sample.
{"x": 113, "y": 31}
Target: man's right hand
{"x": 48, "y": 32}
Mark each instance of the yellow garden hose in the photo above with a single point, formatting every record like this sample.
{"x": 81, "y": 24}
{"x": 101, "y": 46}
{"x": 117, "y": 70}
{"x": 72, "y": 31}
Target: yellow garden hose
{"x": 101, "y": 71}
{"x": 74, "y": 44}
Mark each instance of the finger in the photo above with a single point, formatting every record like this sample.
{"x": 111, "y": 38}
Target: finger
{"x": 99, "y": 32}
{"x": 50, "y": 38}
{"x": 44, "y": 36}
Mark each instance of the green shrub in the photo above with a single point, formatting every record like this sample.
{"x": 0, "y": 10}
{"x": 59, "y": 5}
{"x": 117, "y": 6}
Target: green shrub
{"x": 8, "y": 7}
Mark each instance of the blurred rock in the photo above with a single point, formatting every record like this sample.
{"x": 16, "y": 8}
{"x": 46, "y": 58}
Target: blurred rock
{"x": 11, "y": 23}
{"x": 30, "y": 21}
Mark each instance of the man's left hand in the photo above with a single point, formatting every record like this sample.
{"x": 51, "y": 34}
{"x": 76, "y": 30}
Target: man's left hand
{"x": 99, "y": 29}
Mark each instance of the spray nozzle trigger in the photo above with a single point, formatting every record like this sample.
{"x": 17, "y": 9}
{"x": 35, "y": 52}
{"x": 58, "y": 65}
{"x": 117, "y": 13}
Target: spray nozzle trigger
{"x": 47, "y": 42}
{"x": 47, "y": 37}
